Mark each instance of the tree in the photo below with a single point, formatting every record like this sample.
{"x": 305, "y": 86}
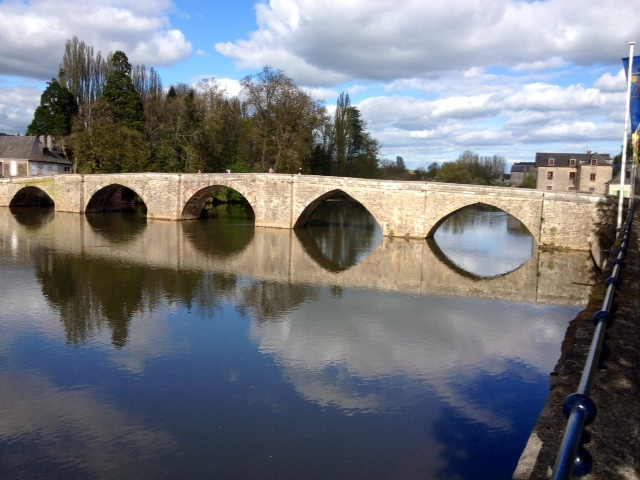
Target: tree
{"x": 432, "y": 171}
{"x": 147, "y": 83}
{"x": 120, "y": 99}
{"x": 471, "y": 168}
{"x": 342, "y": 132}
{"x": 115, "y": 140}
{"x": 283, "y": 117}
{"x": 55, "y": 114}
{"x": 83, "y": 72}
{"x": 455, "y": 172}
{"x": 111, "y": 148}
{"x": 395, "y": 170}
{"x": 529, "y": 181}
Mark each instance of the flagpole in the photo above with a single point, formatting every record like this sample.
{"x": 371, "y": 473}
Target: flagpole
{"x": 623, "y": 167}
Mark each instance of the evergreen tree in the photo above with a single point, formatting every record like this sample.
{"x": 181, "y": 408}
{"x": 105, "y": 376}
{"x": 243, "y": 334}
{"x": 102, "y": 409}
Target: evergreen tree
{"x": 120, "y": 99}
{"x": 55, "y": 114}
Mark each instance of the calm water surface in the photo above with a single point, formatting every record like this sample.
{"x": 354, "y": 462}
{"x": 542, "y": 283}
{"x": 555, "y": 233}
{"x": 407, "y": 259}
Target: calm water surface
{"x": 210, "y": 349}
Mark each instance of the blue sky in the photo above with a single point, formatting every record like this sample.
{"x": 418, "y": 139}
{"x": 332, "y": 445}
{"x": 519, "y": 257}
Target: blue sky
{"x": 431, "y": 79}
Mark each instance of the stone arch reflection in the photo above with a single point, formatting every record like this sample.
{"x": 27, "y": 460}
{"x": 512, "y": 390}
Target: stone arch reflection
{"x": 468, "y": 238}
{"x": 117, "y": 227}
{"x": 32, "y": 218}
{"x": 231, "y": 232}
{"x": 339, "y": 233}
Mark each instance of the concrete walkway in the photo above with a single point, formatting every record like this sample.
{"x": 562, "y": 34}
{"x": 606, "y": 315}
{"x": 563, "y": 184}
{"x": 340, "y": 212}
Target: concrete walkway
{"x": 615, "y": 433}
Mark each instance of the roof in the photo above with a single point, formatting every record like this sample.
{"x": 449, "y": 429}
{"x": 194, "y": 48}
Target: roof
{"x": 29, "y": 148}
{"x": 522, "y": 167}
{"x": 562, "y": 159}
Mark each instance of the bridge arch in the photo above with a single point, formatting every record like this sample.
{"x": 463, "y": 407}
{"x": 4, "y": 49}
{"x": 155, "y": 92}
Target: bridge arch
{"x": 113, "y": 197}
{"x": 195, "y": 204}
{"x": 311, "y": 207}
{"x": 498, "y": 205}
{"x": 31, "y": 196}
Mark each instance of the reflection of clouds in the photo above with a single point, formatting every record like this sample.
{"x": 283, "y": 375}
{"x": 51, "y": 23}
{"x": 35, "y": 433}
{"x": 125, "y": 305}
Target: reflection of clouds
{"x": 151, "y": 334}
{"x": 485, "y": 246}
{"x": 23, "y": 306}
{"x": 336, "y": 358}
{"x": 74, "y": 427}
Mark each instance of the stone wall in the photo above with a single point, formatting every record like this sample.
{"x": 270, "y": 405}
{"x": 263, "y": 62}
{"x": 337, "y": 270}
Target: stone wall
{"x": 570, "y": 220}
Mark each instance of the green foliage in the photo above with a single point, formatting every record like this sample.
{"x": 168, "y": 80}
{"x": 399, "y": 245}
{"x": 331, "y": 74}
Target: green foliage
{"x": 394, "y": 170}
{"x": 455, "y": 172}
{"x": 120, "y": 100}
{"x": 529, "y": 181}
{"x": 111, "y": 148}
{"x": 471, "y": 168}
{"x": 55, "y": 114}
{"x": 227, "y": 195}
{"x": 126, "y": 123}
{"x": 284, "y": 119}
{"x": 343, "y": 146}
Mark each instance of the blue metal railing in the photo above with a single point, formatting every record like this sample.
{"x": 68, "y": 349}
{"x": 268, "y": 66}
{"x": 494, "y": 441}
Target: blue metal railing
{"x": 578, "y": 407}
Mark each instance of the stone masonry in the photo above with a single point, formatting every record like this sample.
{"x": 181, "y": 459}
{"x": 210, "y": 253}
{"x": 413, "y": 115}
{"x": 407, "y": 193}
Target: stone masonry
{"x": 402, "y": 209}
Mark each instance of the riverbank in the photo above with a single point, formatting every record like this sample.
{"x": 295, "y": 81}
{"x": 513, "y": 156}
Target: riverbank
{"x": 614, "y": 444}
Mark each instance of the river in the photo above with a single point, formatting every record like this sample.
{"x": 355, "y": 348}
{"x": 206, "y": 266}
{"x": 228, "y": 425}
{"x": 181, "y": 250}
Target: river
{"x": 141, "y": 349}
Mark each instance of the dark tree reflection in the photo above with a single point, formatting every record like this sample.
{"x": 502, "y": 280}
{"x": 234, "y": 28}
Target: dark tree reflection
{"x": 92, "y": 293}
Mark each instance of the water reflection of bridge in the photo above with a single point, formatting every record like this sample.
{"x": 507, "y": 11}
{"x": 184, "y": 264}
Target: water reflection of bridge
{"x": 273, "y": 255}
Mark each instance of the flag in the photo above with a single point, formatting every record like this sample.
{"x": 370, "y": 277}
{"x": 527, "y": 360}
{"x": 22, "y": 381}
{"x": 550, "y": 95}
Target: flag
{"x": 634, "y": 102}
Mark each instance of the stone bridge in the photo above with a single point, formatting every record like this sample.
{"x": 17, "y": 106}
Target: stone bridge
{"x": 402, "y": 209}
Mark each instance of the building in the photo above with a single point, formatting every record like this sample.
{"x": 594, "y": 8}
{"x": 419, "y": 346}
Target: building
{"x": 574, "y": 172}
{"x": 613, "y": 188}
{"x": 31, "y": 156}
{"x": 520, "y": 171}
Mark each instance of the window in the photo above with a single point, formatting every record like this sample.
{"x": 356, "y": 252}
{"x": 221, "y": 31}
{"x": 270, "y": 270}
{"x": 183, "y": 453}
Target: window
{"x": 592, "y": 177}
{"x": 551, "y": 161}
{"x": 572, "y": 162}
{"x": 594, "y": 162}
{"x": 13, "y": 168}
{"x": 549, "y": 175}
{"x": 591, "y": 190}
{"x": 549, "y": 187}
{"x": 572, "y": 189}
{"x": 572, "y": 175}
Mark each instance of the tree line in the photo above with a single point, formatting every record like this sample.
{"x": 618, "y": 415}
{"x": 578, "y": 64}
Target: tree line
{"x": 112, "y": 117}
